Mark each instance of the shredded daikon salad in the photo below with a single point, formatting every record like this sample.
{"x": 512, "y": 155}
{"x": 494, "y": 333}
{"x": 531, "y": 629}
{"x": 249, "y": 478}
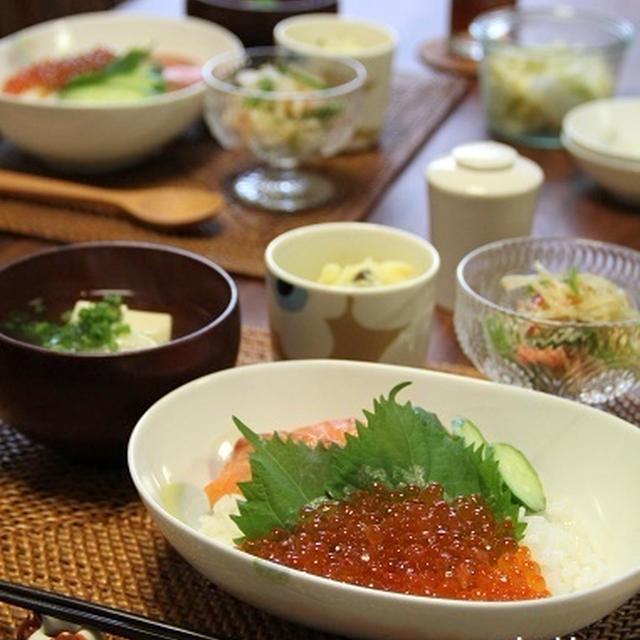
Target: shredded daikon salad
{"x": 571, "y": 296}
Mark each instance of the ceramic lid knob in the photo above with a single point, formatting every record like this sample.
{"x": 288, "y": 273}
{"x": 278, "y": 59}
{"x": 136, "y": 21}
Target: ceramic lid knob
{"x": 484, "y": 169}
{"x": 485, "y": 155}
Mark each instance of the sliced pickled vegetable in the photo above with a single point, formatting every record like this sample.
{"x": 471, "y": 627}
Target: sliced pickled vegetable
{"x": 465, "y": 429}
{"x": 520, "y": 476}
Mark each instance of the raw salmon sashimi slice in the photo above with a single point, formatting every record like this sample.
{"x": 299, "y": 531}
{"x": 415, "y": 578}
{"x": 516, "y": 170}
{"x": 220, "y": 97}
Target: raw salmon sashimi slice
{"x": 237, "y": 468}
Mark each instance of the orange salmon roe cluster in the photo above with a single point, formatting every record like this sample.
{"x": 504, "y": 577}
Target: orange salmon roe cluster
{"x": 51, "y": 75}
{"x": 409, "y": 541}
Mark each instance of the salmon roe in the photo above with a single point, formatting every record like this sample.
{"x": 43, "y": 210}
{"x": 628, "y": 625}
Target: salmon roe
{"x": 409, "y": 541}
{"x": 51, "y": 75}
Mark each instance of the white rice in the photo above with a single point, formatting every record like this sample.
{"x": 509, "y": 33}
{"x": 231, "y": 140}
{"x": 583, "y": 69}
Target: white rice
{"x": 218, "y": 525}
{"x": 567, "y": 558}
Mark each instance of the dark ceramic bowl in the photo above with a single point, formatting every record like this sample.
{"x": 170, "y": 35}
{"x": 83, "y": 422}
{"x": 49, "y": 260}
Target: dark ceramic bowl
{"x": 86, "y": 404}
{"x": 253, "y": 20}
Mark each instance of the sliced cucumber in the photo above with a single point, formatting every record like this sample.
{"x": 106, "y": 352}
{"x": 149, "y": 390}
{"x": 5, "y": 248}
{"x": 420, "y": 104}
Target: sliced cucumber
{"x": 520, "y": 476}
{"x": 135, "y": 84}
{"x": 465, "y": 429}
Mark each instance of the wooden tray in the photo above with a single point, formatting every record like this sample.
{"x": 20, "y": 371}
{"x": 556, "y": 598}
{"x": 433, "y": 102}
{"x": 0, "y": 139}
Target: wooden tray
{"x": 237, "y": 239}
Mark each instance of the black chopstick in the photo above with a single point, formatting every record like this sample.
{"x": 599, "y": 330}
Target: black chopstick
{"x": 93, "y": 615}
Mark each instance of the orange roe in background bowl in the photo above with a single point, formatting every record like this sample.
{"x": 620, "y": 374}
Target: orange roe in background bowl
{"x": 51, "y": 75}
{"x": 409, "y": 541}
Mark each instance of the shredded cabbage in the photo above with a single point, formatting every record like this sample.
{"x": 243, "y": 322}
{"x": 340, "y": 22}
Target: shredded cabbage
{"x": 572, "y": 296}
{"x": 532, "y": 88}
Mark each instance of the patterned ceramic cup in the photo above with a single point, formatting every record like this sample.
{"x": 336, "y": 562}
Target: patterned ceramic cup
{"x": 370, "y": 43}
{"x": 382, "y": 323}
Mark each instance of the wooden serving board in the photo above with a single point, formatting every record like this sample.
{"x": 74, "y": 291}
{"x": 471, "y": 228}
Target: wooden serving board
{"x": 237, "y": 238}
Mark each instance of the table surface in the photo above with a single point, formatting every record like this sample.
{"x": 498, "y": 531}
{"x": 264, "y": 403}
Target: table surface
{"x": 570, "y": 203}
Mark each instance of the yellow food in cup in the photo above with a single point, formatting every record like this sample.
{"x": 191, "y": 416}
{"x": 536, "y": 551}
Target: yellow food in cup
{"x": 367, "y": 273}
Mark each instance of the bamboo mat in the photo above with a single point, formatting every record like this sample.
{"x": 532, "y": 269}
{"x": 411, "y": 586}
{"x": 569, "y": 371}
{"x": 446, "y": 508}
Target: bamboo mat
{"x": 82, "y": 531}
{"x": 237, "y": 238}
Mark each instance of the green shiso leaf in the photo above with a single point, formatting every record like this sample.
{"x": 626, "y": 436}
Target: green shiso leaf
{"x": 285, "y": 476}
{"x": 399, "y": 445}
{"x": 121, "y": 64}
{"x": 127, "y": 76}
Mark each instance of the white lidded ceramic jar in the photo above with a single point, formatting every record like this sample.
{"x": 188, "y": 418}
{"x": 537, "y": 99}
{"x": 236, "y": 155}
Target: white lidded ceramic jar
{"x": 480, "y": 192}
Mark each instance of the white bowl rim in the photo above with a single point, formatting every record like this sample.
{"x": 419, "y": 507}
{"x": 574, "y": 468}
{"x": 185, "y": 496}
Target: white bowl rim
{"x": 595, "y": 157}
{"x": 223, "y": 315}
{"x": 468, "y": 605}
{"x": 280, "y": 34}
{"x": 575, "y": 135}
{"x": 223, "y": 86}
{"x": 498, "y": 244}
{"x": 194, "y": 89}
{"x": 370, "y": 227}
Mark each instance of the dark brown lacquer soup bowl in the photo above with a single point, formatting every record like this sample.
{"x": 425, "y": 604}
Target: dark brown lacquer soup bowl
{"x": 85, "y": 404}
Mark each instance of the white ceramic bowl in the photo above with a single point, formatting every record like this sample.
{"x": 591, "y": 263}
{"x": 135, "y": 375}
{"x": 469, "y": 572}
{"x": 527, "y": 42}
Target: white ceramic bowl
{"x": 83, "y": 136}
{"x": 585, "y": 455}
{"x": 608, "y": 127}
{"x": 619, "y": 176}
{"x": 604, "y": 138}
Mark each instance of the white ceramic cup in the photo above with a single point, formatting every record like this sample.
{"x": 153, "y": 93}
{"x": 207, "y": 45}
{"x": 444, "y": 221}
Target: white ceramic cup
{"x": 335, "y": 36}
{"x": 481, "y": 192}
{"x": 386, "y": 323}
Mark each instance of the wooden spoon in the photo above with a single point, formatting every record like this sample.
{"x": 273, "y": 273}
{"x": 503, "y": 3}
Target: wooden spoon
{"x": 164, "y": 206}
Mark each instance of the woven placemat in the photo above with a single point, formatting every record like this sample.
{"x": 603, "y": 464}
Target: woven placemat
{"x": 82, "y": 531}
{"x": 237, "y": 238}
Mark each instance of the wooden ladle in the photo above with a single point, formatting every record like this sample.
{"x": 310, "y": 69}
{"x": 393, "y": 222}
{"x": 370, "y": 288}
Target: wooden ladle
{"x": 169, "y": 206}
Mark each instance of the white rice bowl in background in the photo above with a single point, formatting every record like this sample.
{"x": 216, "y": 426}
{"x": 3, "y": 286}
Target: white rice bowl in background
{"x": 586, "y": 543}
{"x": 101, "y": 136}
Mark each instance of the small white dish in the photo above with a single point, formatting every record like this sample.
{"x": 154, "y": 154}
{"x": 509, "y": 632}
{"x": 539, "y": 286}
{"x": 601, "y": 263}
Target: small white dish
{"x": 584, "y": 455}
{"x": 609, "y": 127}
{"x": 101, "y": 136}
{"x": 619, "y": 176}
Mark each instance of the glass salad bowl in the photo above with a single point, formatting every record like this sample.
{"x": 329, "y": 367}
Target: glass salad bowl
{"x": 539, "y": 63}
{"x": 554, "y": 314}
{"x": 284, "y": 108}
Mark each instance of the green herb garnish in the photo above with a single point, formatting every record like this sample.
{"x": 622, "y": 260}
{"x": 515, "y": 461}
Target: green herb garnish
{"x": 502, "y": 338}
{"x": 400, "y": 445}
{"x": 325, "y": 111}
{"x": 96, "y": 328}
{"x": 572, "y": 280}
{"x": 301, "y": 76}
{"x": 266, "y": 84}
{"x": 125, "y": 77}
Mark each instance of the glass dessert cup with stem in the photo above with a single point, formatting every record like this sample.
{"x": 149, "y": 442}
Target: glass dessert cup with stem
{"x": 284, "y": 108}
